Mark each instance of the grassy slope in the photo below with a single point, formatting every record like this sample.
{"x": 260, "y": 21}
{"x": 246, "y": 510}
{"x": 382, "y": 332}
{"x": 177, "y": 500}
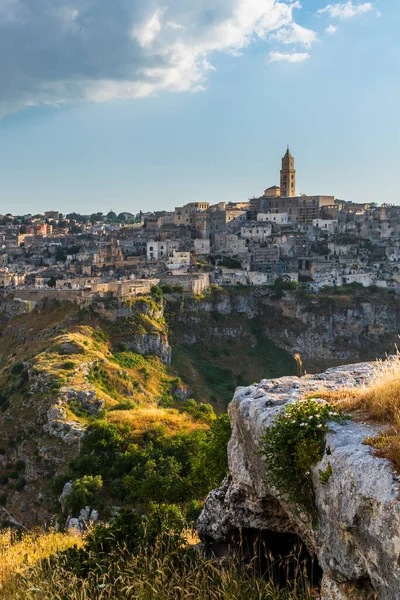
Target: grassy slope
{"x": 94, "y": 359}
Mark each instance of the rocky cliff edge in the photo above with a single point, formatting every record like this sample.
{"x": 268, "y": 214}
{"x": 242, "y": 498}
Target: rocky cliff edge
{"x": 357, "y": 538}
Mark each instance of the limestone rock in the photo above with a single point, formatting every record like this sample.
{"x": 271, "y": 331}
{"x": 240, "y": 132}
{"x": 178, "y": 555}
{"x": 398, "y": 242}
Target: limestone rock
{"x": 70, "y": 432}
{"x": 87, "y": 516}
{"x": 357, "y": 540}
{"x": 56, "y": 413}
{"x": 74, "y": 525}
{"x": 151, "y": 343}
{"x": 68, "y": 347}
{"x": 84, "y": 399}
{"x": 67, "y": 489}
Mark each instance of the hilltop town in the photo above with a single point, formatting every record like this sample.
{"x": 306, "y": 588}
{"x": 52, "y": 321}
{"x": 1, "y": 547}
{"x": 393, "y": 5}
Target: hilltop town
{"x": 316, "y": 241}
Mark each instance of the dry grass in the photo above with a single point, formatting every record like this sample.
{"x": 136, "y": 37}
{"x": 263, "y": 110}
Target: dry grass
{"x": 379, "y": 403}
{"x": 148, "y": 418}
{"x": 19, "y": 554}
{"x": 158, "y": 575}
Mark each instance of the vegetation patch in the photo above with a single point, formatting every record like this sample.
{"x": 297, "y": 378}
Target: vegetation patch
{"x": 139, "y": 559}
{"x": 213, "y": 371}
{"x": 325, "y": 474}
{"x": 154, "y": 467}
{"x": 293, "y": 444}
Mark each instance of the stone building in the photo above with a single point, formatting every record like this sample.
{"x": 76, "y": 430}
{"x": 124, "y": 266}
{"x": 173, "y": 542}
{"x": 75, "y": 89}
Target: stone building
{"x": 288, "y": 176}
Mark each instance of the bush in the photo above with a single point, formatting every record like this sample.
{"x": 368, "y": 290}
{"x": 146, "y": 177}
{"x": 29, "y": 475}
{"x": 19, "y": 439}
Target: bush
{"x": 193, "y": 511}
{"x": 68, "y": 365}
{"x": 125, "y": 404}
{"x": 293, "y": 444}
{"x": 17, "y": 369}
{"x": 85, "y": 492}
{"x": 102, "y": 437}
{"x": 201, "y": 411}
{"x": 156, "y": 292}
{"x": 128, "y": 360}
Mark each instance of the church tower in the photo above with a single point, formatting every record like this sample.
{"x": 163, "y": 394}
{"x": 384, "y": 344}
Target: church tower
{"x": 288, "y": 176}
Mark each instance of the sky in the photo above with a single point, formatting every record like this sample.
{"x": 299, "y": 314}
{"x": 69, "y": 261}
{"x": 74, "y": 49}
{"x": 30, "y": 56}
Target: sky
{"x": 132, "y": 105}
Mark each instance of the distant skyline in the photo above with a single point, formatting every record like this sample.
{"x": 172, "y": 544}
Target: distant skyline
{"x": 130, "y": 105}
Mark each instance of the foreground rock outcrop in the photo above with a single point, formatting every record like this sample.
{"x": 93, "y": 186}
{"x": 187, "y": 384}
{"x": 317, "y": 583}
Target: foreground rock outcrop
{"x": 357, "y": 540}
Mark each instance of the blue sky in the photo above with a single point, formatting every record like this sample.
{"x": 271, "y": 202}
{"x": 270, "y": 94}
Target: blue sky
{"x": 130, "y": 105}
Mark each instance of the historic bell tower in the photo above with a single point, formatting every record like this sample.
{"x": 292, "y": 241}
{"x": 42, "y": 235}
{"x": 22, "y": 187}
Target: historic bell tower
{"x": 288, "y": 176}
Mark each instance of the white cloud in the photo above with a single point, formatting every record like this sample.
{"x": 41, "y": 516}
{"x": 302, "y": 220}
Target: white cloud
{"x": 294, "y": 57}
{"x": 98, "y": 50}
{"x": 347, "y": 10}
{"x": 147, "y": 33}
{"x": 331, "y": 29}
{"x": 295, "y": 34}
{"x": 174, "y": 25}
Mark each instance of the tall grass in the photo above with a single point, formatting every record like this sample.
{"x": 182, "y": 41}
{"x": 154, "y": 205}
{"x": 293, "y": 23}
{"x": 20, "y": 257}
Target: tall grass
{"x": 19, "y": 554}
{"x": 380, "y": 399}
{"x": 378, "y": 402}
{"x": 159, "y": 574}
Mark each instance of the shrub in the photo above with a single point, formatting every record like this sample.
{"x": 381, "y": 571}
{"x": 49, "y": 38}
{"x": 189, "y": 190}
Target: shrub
{"x": 326, "y": 474}
{"x": 100, "y": 336}
{"x": 125, "y": 404}
{"x": 17, "y": 369}
{"x": 193, "y": 511}
{"x": 156, "y": 292}
{"x": 68, "y": 365}
{"x": 170, "y": 289}
{"x": 128, "y": 360}
{"x": 201, "y": 411}
{"x": 102, "y": 437}
{"x": 85, "y": 492}
{"x": 293, "y": 444}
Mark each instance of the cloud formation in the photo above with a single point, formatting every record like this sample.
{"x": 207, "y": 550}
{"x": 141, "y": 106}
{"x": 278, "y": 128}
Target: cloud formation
{"x": 331, "y": 29}
{"x": 56, "y": 51}
{"x": 295, "y": 34}
{"x": 347, "y": 10}
{"x": 293, "y": 57}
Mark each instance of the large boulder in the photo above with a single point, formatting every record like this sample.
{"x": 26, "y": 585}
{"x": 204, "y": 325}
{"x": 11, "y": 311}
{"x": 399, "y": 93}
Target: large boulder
{"x": 357, "y": 537}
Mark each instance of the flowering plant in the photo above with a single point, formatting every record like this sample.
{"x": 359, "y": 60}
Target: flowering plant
{"x": 292, "y": 444}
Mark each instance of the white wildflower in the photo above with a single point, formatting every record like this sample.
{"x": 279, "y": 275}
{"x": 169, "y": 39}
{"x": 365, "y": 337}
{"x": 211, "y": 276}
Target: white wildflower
{"x": 303, "y": 424}
{"x": 319, "y": 425}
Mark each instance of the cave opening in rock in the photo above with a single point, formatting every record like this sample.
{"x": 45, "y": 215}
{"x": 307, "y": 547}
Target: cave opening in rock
{"x": 282, "y": 557}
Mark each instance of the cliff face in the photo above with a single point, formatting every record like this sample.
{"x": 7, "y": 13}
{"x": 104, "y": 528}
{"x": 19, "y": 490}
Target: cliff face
{"x": 357, "y": 539}
{"x": 326, "y": 329}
